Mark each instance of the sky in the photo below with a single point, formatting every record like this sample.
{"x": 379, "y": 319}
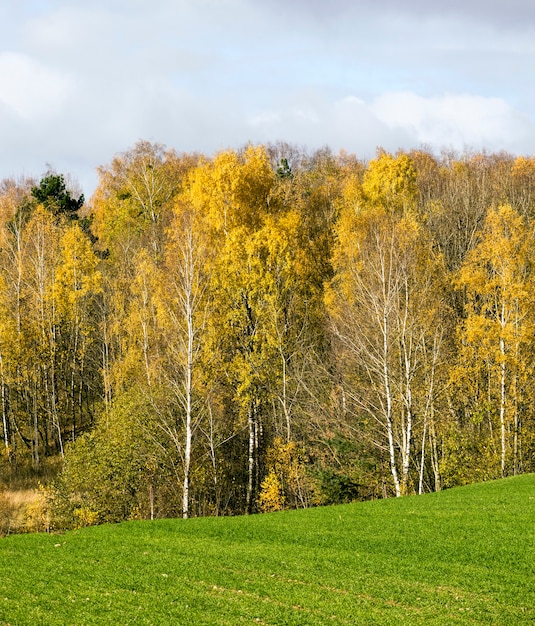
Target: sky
{"x": 81, "y": 81}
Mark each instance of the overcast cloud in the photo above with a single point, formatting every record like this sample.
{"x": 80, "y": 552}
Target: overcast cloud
{"x": 81, "y": 81}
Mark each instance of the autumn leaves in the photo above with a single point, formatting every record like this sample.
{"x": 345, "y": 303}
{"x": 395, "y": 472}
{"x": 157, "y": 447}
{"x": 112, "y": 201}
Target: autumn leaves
{"x": 267, "y": 329}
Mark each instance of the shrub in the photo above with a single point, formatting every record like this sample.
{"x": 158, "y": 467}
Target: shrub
{"x": 271, "y": 496}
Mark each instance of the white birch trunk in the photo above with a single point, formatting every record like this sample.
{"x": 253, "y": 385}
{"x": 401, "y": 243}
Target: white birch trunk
{"x": 251, "y": 459}
{"x": 503, "y": 372}
{"x": 388, "y": 416}
{"x": 189, "y": 403}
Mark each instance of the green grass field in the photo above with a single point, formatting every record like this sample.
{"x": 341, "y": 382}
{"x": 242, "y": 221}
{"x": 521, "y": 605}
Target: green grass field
{"x": 463, "y": 556}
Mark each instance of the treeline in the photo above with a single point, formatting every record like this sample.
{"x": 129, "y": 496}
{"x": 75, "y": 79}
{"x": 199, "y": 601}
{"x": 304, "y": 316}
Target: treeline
{"x": 267, "y": 328}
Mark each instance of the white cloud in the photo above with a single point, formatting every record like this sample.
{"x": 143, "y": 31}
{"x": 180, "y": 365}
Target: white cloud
{"x": 310, "y": 119}
{"x": 397, "y": 120}
{"x": 82, "y": 80}
{"x": 513, "y": 13}
{"x": 456, "y": 120}
{"x": 264, "y": 119}
{"x": 29, "y": 88}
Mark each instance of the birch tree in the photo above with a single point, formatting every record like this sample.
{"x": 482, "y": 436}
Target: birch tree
{"x": 385, "y": 303}
{"x": 77, "y": 284}
{"x": 496, "y": 336}
{"x": 184, "y": 301}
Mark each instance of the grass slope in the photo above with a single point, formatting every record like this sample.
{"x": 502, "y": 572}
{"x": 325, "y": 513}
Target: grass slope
{"x": 463, "y": 556}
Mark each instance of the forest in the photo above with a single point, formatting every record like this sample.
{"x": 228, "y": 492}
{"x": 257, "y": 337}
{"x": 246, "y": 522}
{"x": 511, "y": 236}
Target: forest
{"x": 266, "y": 328}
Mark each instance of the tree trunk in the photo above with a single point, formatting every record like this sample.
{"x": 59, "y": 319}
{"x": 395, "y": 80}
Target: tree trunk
{"x": 502, "y": 404}
{"x": 422, "y": 461}
{"x": 251, "y": 466}
{"x": 189, "y": 402}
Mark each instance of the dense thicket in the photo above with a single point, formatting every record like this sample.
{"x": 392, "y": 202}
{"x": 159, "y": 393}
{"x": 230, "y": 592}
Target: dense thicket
{"x": 268, "y": 328}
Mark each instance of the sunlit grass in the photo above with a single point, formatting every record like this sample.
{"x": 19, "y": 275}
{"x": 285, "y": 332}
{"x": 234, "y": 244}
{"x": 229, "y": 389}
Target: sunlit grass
{"x": 464, "y": 556}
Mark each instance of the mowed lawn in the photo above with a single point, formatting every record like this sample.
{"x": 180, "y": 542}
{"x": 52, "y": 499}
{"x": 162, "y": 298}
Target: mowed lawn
{"x": 463, "y": 556}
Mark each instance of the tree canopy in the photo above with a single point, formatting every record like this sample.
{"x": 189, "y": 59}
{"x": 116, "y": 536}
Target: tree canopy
{"x": 53, "y": 194}
{"x": 267, "y": 328}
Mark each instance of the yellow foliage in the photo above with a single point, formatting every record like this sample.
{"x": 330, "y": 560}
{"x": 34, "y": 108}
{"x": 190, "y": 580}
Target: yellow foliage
{"x": 286, "y": 481}
{"x": 134, "y": 194}
{"x": 390, "y": 181}
{"x": 495, "y": 272}
{"x": 77, "y": 277}
{"x": 37, "y": 515}
{"x": 523, "y": 168}
{"x": 271, "y": 496}
{"x": 85, "y": 517}
{"x": 233, "y": 189}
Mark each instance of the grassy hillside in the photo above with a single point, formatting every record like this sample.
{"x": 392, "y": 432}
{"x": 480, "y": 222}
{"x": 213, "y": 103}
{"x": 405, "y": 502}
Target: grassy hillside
{"x": 463, "y": 556}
